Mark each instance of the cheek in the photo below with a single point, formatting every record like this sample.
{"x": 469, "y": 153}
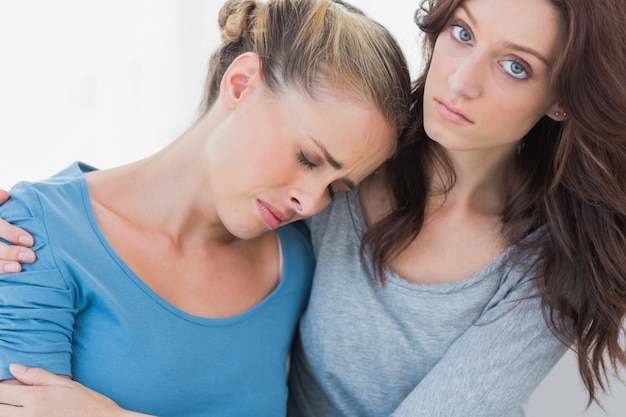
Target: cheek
{"x": 440, "y": 64}
{"x": 514, "y": 118}
{"x": 271, "y": 165}
{"x": 428, "y": 114}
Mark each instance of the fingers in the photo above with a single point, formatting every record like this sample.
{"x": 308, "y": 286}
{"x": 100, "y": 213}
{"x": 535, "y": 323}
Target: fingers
{"x": 36, "y": 376}
{"x": 16, "y": 253}
{"x": 9, "y": 398}
{"x": 31, "y": 401}
{"x": 15, "y": 235}
{"x": 48, "y": 395}
{"x": 9, "y": 267}
{"x": 11, "y": 257}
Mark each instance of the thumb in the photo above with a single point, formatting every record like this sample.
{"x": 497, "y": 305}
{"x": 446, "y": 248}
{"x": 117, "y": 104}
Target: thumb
{"x": 34, "y": 376}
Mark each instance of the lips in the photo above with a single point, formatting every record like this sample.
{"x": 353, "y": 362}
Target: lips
{"x": 271, "y": 216}
{"x": 451, "y": 113}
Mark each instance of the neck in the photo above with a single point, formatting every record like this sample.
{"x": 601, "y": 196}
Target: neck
{"x": 168, "y": 193}
{"x": 481, "y": 180}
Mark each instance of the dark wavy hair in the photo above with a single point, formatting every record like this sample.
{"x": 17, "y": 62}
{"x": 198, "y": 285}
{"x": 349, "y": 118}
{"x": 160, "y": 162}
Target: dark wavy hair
{"x": 569, "y": 179}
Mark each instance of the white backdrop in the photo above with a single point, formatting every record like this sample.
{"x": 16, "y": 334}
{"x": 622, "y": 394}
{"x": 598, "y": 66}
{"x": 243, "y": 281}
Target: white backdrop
{"x": 108, "y": 82}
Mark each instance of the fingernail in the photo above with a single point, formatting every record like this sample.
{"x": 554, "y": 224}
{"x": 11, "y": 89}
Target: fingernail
{"x": 26, "y": 257}
{"x": 11, "y": 268}
{"x": 25, "y": 240}
{"x": 16, "y": 368}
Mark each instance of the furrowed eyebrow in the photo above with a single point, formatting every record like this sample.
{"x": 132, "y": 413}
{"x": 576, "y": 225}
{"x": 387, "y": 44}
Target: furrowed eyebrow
{"x": 333, "y": 163}
{"x": 329, "y": 158}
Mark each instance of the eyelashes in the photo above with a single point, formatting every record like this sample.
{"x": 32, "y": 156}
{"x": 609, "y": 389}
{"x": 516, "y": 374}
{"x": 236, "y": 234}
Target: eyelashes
{"x": 512, "y": 67}
{"x": 461, "y": 34}
{"x": 306, "y": 162}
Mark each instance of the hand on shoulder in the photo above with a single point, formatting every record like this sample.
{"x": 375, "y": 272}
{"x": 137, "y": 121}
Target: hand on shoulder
{"x": 14, "y": 253}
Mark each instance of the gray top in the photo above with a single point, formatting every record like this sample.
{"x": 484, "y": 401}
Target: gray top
{"x": 476, "y": 347}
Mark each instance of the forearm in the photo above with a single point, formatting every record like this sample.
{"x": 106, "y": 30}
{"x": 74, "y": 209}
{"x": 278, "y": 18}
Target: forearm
{"x": 491, "y": 370}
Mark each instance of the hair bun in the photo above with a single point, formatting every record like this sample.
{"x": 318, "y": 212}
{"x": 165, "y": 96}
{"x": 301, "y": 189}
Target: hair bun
{"x": 235, "y": 19}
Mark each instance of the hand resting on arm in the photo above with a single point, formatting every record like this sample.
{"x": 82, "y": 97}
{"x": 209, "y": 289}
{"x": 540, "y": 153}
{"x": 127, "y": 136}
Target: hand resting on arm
{"x": 47, "y": 395}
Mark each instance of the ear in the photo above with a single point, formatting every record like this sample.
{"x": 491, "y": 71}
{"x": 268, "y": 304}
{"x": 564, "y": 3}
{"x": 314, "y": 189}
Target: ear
{"x": 240, "y": 77}
{"x": 556, "y": 112}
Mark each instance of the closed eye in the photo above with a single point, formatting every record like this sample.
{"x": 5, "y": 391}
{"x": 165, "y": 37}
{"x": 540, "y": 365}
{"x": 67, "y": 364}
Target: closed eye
{"x": 304, "y": 161}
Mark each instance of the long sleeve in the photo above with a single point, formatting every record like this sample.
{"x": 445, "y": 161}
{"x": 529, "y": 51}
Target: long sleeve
{"x": 492, "y": 368}
{"x": 476, "y": 347}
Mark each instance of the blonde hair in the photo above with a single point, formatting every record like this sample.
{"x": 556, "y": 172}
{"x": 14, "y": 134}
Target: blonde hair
{"x": 315, "y": 46}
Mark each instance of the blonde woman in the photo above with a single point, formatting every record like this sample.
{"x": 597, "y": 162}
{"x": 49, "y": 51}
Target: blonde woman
{"x": 169, "y": 285}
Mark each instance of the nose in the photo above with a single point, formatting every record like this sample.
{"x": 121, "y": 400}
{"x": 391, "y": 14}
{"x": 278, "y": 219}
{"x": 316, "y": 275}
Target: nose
{"x": 306, "y": 202}
{"x": 466, "y": 80}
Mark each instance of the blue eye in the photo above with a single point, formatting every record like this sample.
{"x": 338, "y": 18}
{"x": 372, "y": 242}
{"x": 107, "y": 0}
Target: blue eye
{"x": 515, "y": 69}
{"x": 461, "y": 34}
{"x": 304, "y": 161}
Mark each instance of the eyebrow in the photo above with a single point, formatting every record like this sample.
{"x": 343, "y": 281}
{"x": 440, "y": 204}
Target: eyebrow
{"x": 511, "y": 45}
{"x": 529, "y": 51}
{"x": 333, "y": 163}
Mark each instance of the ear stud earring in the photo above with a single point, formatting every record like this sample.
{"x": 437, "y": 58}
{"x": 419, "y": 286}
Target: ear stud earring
{"x": 557, "y": 114}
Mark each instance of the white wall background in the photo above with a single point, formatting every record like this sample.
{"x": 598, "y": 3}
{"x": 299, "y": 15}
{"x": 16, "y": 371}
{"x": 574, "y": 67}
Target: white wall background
{"x": 108, "y": 82}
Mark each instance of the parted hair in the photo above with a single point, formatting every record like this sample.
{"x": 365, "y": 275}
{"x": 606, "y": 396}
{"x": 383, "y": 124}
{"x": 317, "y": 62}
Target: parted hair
{"x": 568, "y": 182}
{"x": 317, "y": 46}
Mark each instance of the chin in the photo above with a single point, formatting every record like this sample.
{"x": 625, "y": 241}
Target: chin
{"x": 434, "y": 132}
{"x": 244, "y": 232}
{"x": 442, "y": 140}
{"x": 250, "y": 234}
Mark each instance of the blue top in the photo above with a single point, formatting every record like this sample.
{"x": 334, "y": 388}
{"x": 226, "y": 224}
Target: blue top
{"x": 80, "y": 311}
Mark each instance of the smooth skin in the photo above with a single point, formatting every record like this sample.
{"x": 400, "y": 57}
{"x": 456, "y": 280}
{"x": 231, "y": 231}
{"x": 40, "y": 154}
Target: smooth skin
{"x": 488, "y": 84}
{"x": 255, "y": 161}
{"x": 248, "y": 150}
